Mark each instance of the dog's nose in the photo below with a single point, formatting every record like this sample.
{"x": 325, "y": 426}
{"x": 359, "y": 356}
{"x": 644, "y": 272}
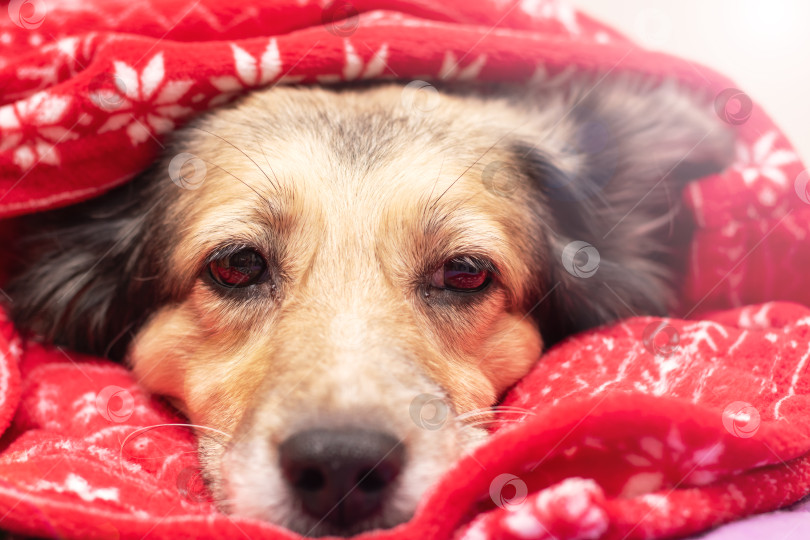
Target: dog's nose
{"x": 341, "y": 476}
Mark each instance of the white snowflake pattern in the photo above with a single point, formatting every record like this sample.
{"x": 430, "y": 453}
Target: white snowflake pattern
{"x": 141, "y": 109}
{"x": 543, "y": 78}
{"x": 31, "y": 127}
{"x": 61, "y": 53}
{"x": 250, "y": 71}
{"x": 452, "y": 70}
{"x": 355, "y": 68}
{"x": 762, "y": 160}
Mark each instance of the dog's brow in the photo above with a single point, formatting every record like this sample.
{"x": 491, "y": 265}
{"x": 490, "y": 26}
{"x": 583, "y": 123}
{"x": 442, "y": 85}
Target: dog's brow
{"x": 454, "y": 227}
{"x": 226, "y": 141}
{"x": 270, "y": 203}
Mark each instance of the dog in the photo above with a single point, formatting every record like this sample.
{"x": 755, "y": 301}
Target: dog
{"x": 346, "y": 256}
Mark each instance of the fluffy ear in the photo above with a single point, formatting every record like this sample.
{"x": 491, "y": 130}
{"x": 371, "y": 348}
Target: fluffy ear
{"x": 609, "y": 174}
{"x": 82, "y": 278}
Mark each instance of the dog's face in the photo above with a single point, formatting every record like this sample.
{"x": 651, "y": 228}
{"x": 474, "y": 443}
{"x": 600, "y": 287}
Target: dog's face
{"x": 330, "y": 285}
{"x": 350, "y": 264}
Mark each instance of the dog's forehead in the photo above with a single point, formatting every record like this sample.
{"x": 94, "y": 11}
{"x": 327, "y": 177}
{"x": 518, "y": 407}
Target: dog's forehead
{"x": 338, "y": 172}
{"x": 344, "y": 155}
{"x": 255, "y": 185}
{"x": 375, "y": 150}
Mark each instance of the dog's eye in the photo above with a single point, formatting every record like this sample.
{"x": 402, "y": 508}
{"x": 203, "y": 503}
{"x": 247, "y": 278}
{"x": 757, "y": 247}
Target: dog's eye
{"x": 463, "y": 274}
{"x": 240, "y": 269}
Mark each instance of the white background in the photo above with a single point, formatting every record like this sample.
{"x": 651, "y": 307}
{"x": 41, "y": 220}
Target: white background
{"x": 763, "y": 45}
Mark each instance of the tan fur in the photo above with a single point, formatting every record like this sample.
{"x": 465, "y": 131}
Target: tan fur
{"x": 356, "y": 197}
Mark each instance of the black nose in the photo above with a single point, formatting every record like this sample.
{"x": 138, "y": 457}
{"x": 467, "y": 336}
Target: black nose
{"x": 341, "y": 476}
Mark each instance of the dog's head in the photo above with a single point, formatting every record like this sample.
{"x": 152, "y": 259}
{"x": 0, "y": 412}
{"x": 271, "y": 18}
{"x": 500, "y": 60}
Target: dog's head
{"x": 332, "y": 279}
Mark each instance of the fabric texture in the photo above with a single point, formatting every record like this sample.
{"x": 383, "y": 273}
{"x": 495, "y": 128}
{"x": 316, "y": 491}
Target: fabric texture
{"x": 646, "y": 428}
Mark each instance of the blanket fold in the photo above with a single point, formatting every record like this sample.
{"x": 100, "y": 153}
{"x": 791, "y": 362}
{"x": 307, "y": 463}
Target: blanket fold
{"x": 646, "y": 428}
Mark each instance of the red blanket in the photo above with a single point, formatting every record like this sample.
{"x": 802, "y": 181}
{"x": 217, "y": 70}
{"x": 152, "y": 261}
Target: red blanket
{"x": 648, "y": 428}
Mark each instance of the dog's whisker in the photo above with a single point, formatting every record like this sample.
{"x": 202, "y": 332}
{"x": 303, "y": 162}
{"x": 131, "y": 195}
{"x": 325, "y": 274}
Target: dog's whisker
{"x": 508, "y": 408}
{"x": 487, "y": 417}
{"x": 143, "y": 430}
{"x": 266, "y": 200}
{"x": 267, "y": 160}
{"x": 468, "y": 426}
{"x": 494, "y": 411}
{"x": 475, "y": 425}
{"x": 480, "y": 421}
{"x": 122, "y": 333}
{"x": 474, "y": 163}
{"x": 167, "y": 455}
{"x": 229, "y": 173}
{"x": 226, "y": 141}
{"x": 474, "y": 414}
{"x": 496, "y": 416}
{"x": 441, "y": 167}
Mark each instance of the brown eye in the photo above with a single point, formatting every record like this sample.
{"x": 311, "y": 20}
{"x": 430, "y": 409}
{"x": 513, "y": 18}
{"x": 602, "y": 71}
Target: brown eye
{"x": 463, "y": 274}
{"x": 240, "y": 269}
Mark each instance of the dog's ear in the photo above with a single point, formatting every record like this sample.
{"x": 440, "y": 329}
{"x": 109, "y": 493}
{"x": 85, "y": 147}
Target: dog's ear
{"x": 608, "y": 176}
{"x": 82, "y": 276}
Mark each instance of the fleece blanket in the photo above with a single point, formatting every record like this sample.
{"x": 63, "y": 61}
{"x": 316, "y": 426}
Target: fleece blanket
{"x": 649, "y": 428}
